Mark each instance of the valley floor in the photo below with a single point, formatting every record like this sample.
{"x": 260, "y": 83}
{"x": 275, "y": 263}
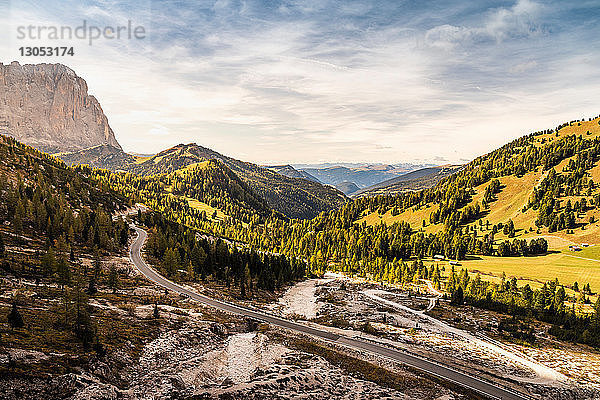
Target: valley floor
{"x": 190, "y": 351}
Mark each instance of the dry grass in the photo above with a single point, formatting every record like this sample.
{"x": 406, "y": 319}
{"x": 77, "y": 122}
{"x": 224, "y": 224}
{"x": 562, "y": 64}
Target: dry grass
{"x": 413, "y": 217}
{"x": 563, "y": 266}
{"x": 576, "y": 128}
{"x": 141, "y": 159}
{"x": 201, "y": 206}
{"x": 510, "y": 201}
{"x": 191, "y": 167}
{"x": 595, "y": 173}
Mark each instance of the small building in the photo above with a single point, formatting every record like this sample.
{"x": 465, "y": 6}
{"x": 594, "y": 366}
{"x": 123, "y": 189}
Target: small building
{"x": 452, "y": 262}
{"x": 439, "y": 257}
{"x": 585, "y": 245}
{"x": 574, "y": 248}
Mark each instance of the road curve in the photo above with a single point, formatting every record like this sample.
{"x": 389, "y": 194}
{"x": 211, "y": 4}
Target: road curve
{"x": 429, "y": 367}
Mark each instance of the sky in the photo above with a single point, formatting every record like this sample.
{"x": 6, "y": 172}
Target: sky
{"x": 328, "y": 81}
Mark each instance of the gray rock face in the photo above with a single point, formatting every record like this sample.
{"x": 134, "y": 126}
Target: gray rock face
{"x": 47, "y": 106}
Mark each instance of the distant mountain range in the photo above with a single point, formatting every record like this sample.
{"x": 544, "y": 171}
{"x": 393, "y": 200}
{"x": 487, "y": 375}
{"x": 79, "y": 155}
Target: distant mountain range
{"x": 400, "y": 166}
{"x": 347, "y": 187}
{"x": 349, "y": 177}
{"x": 416, "y": 180}
{"x": 356, "y": 178}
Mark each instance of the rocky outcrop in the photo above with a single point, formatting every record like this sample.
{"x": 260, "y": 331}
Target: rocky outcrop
{"x": 101, "y": 156}
{"x": 48, "y": 106}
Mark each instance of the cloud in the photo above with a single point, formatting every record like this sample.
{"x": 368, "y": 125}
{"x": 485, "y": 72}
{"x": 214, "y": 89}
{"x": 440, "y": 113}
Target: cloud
{"x": 158, "y": 131}
{"x": 293, "y": 81}
{"x": 497, "y": 25}
{"x": 523, "y": 67}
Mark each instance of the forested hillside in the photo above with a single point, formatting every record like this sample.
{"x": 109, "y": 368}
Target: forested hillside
{"x": 291, "y": 172}
{"x": 42, "y": 196}
{"x": 294, "y": 197}
{"x": 204, "y": 191}
{"x": 101, "y": 156}
{"x": 50, "y": 216}
{"x": 175, "y": 247}
{"x": 500, "y": 206}
{"x": 417, "y": 180}
{"x": 453, "y": 214}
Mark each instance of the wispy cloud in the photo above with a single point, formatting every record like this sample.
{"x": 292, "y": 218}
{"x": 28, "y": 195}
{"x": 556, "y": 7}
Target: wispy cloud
{"x": 327, "y": 80}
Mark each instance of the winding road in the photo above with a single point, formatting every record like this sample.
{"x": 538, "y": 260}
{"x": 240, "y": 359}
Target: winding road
{"x": 482, "y": 387}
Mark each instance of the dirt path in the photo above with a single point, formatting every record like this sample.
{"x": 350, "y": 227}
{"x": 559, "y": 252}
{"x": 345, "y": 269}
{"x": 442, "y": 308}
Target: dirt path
{"x": 582, "y": 258}
{"x": 301, "y": 299}
{"x": 546, "y": 375}
{"x": 433, "y": 300}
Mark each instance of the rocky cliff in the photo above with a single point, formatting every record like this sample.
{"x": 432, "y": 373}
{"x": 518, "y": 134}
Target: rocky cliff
{"x": 47, "y": 106}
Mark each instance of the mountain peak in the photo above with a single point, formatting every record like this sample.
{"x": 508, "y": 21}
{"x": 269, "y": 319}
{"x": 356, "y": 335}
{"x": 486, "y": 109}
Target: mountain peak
{"x": 48, "y": 106}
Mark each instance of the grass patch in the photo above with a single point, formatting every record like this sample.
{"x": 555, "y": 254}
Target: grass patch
{"x": 563, "y": 266}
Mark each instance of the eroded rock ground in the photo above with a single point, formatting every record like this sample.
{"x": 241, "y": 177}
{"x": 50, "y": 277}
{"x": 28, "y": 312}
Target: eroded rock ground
{"x": 463, "y": 337}
{"x": 194, "y": 352}
{"x": 188, "y": 352}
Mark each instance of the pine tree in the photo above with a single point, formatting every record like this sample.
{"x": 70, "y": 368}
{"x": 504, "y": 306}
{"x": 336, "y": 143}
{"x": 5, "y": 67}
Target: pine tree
{"x": 597, "y": 313}
{"x": 97, "y": 265}
{"x": 15, "y": 319}
{"x": 113, "y": 278}
{"x": 17, "y": 222}
{"x": 457, "y": 297}
{"x": 170, "y": 261}
{"x": 64, "y": 272}
{"x": 83, "y": 323}
{"x": 92, "y": 285}
{"x": 245, "y": 281}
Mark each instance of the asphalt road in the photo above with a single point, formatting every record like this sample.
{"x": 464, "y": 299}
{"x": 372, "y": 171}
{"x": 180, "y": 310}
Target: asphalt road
{"x": 432, "y": 368}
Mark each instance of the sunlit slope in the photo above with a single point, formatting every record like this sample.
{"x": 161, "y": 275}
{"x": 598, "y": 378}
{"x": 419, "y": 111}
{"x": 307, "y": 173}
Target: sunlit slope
{"x": 414, "y": 216}
{"x": 588, "y": 129}
{"x": 294, "y": 197}
{"x": 513, "y": 196}
{"x": 565, "y": 266}
{"x": 512, "y": 202}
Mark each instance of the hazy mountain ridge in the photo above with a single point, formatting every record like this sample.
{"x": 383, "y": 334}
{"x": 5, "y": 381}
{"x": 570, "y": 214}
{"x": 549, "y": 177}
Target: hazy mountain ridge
{"x": 292, "y": 172}
{"x": 101, "y": 156}
{"x": 416, "y": 180}
{"x": 347, "y": 187}
{"x": 362, "y": 175}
